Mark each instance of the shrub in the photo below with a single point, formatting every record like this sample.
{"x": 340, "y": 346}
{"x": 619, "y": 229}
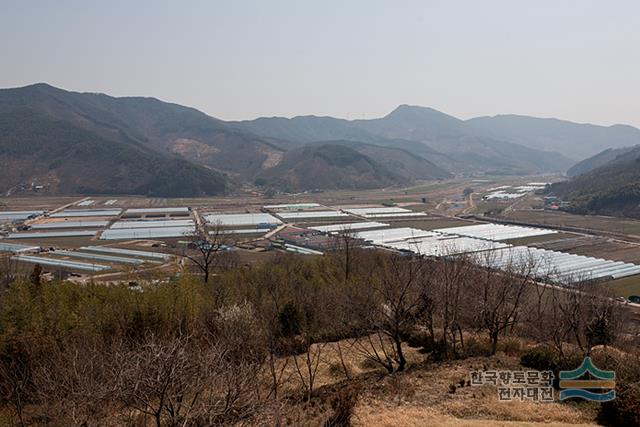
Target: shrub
{"x": 624, "y": 409}
{"x": 475, "y": 347}
{"x": 511, "y": 346}
{"x": 343, "y": 407}
{"x": 417, "y": 338}
{"x": 435, "y": 349}
{"x": 541, "y": 359}
{"x": 290, "y": 320}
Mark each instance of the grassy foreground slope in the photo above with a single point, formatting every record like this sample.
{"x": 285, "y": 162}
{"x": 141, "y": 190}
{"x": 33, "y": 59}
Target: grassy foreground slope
{"x": 369, "y": 339}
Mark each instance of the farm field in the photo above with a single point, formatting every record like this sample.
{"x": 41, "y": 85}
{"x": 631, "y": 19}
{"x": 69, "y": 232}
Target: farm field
{"x": 440, "y": 201}
{"x": 540, "y": 241}
{"x": 598, "y": 223}
{"x": 625, "y": 287}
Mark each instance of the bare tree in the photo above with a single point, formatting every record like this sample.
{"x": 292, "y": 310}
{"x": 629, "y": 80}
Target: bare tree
{"x": 15, "y": 384}
{"x": 590, "y": 316}
{"x": 206, "y": 250}
{"x": 376, "y": 347}
{"x": 161, "y": 377}
{"x": 77, "y": 380}
{"x": 232, "y": 391}
{"x": 346, "y": 251}
{"x": 500, "y": 297}
{"x": 450, "y": 287}
{"x": 307, "y": 366}
{"x": 231, "y": 361}
{"x": 8, "y": 272}
{"x": 392, "y": 308}
{"x": 574, "y": 310}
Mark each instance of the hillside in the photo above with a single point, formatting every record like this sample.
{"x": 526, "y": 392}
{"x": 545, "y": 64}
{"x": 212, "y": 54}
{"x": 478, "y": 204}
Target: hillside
{"x": 458, "y": 140}
{"x": 36, "y": 148}
{"x": 598, "y": 160}
{"x": 304, "y": 129}
{"x": 402, "y": 162}
{"x": 437, "y": 137}
{"x": 163, "y": 127}
{"x": 329, "y": 166}
{"x": 612, "y": 189}
{"x": 574, "y": 140}
{"x": 90, "y": 143}
{"x": 93, "y": 143}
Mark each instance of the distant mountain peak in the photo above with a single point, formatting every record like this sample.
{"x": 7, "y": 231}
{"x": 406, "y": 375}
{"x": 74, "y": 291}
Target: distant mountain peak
{"x": 407, "y": 108}
{"x": 40, "y": 85}
{"x": 421, "y": 116}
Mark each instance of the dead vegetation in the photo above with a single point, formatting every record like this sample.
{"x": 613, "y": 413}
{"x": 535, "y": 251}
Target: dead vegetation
{"x": 353, "y": 338}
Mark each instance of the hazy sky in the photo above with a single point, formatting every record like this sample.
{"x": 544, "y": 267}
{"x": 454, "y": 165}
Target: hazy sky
{"x": 577, "y": 60}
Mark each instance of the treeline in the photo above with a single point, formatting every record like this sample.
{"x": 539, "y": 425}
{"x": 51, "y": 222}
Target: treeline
{"x": 192, "y": 353}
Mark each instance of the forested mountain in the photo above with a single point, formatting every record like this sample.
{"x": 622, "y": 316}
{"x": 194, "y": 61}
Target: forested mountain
{"x": 458, "y": 140}
{"x": 612, "y": 189}
{"x": 600, "y": 159}
{"x": 348, "y": 165}
{"x": 435, "y": 136}
{"x": 304, "y": 129}
{"x": 93, "y": 143}
{"x": 574, "y": 140}
{"x": 38, "y": 148}
{"x": 159, "y": 131}
{"x": 329, "y": 166}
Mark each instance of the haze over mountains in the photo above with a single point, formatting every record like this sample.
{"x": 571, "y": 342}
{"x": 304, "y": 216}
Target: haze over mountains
{"x": 449, "y": 142}
{"x": 574, "y": 140}
{"x": 93, "y": 143}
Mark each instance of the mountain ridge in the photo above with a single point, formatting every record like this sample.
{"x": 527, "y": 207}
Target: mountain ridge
{"x": 213, "y": 155}
{"x": 450, "y": 139}
{"x": 575, "y": 140}
{"x": 409, "y": 143}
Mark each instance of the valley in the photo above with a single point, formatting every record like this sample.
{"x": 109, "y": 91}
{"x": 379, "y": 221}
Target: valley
{"x": 435, "y": 205}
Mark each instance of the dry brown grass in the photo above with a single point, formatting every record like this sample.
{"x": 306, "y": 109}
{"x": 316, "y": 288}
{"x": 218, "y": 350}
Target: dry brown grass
{"x": 421, "y": 395}
{"x": 416, "y": 416}
{"x": 423, "y": 398}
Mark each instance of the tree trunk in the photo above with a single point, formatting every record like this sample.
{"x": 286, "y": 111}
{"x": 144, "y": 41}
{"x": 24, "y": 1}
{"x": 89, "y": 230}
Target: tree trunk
{"x": 494, "y": 342}
{"x": 402, "y": 362}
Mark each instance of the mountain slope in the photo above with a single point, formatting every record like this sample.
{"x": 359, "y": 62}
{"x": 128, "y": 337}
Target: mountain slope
{"x": 463, "y": 143}
{"x": 304, "y": 129}
{"x": 415, "y": 123}
{"x": 574, "y": 140}
{"x": 435, "y": 136}
{"x": 598, "y": 160}
{"x": 87, "y": 142}
{"x": 329, "y": 166}
{"x": 147, "y": 122}
{"x": 94, "y": 143}
{"x": 399, "y": 161}
{"x": 70, "y": 159}
{"x": 612, "y": 189}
